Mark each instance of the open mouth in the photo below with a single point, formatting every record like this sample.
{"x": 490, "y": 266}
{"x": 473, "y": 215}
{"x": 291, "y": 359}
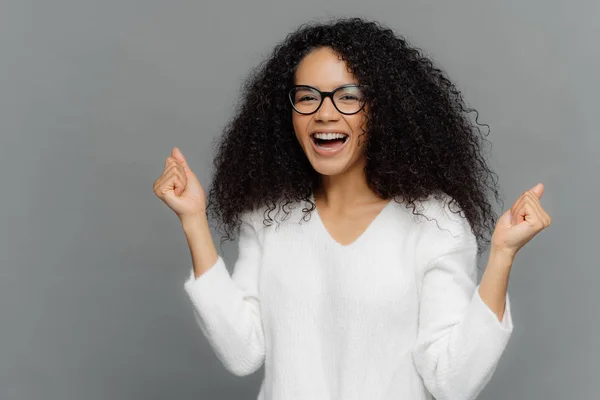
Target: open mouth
{"x": 329, "y": 141}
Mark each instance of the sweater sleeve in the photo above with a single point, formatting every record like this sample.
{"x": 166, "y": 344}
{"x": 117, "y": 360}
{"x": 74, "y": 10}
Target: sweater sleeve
{"x": 227, "y": 308}
{"x": 460, "y": 339}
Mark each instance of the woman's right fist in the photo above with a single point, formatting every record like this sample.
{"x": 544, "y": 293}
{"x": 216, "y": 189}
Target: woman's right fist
{"x": 179, "y": 187}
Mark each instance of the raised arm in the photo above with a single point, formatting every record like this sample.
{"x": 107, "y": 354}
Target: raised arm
{"x": 226, "y": 307}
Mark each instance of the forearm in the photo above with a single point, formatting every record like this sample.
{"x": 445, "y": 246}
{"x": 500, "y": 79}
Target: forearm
{"x": 202, "y": 248}
{"x": 460, "y": 341}
{"x": 494, "y": 283}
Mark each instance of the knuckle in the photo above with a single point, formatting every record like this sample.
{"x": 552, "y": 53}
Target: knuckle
{"x": 541, "y": 225}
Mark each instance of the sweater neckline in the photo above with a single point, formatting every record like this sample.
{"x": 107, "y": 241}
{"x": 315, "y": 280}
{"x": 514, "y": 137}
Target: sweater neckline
{"x": 359, "y": 238}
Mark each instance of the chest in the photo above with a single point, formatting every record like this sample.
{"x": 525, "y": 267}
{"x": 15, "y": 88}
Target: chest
{"x": 347, "y": 229}
{"x": 304, "y": 270}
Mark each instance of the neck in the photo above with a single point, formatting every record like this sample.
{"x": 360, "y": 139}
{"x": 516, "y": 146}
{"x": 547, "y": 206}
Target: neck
{"x": 345, "y": 190}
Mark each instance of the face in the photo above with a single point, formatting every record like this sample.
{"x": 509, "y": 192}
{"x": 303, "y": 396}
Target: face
{"x": 323, "y": 70}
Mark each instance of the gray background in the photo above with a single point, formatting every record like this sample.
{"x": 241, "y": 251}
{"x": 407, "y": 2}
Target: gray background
{"x": 93, "y": 96}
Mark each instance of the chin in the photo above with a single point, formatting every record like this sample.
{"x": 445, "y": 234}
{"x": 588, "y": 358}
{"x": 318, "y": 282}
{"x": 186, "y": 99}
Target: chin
{"x": 328, "y": 170}
{"x": 330, "y": 167}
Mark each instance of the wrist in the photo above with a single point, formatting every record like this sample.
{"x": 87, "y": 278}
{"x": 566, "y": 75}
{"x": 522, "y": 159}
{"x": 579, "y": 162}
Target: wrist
{"x": 193, "y": 222}
{"x": 502, "y": 256}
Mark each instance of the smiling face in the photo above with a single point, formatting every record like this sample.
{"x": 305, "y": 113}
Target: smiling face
{"x": 323, "y": 69}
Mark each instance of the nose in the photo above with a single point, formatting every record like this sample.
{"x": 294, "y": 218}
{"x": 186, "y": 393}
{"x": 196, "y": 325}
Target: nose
{"x": 327, "y": 111}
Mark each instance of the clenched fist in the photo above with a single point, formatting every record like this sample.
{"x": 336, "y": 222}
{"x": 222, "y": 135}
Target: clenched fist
{"x": 179, "y": 187}
{"x": 519, "y": 224}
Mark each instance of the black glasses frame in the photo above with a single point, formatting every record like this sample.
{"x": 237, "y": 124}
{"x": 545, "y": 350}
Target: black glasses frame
{"x": 327, "y": 94}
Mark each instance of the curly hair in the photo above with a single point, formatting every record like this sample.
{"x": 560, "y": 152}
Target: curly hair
{"x": 421, "y": 140}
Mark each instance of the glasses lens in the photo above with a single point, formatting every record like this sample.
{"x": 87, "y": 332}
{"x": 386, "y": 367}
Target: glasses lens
{"x": 305, "y": 100}
{"x": 348, "y": 99}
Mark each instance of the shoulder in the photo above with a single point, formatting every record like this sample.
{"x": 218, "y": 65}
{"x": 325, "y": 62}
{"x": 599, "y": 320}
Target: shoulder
{"x": 442, "y": 228}
{"x": 267, "y": 216}
{"x": 446, "y": 212}
{"x": 254, "y": 218}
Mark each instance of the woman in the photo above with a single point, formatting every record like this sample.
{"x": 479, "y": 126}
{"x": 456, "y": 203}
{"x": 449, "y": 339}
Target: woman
{"x": 355, "y": 278}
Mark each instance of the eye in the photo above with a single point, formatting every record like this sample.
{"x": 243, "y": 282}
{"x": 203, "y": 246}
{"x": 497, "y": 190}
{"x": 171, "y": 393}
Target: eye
{"x": 307, "y": 98}
{"x": 349, "y": 94}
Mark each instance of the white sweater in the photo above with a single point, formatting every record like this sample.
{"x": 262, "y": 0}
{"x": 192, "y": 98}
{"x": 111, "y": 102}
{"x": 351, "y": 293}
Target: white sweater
{"x": 394, "y": 315}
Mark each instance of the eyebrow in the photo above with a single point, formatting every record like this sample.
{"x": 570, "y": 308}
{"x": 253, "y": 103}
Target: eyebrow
{"x": 317, "y": 87}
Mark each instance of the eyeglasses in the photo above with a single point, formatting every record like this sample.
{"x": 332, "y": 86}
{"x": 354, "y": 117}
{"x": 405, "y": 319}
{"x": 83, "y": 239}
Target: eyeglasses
{"x": 347, "y": 99}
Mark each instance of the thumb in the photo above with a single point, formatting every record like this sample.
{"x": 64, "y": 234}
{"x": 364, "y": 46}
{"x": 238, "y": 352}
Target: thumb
{"x": 179, "y": 157}
{"x": 538, "y": 190}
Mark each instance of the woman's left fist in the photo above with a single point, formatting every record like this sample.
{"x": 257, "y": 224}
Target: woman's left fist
{"x": 518, "y": 225}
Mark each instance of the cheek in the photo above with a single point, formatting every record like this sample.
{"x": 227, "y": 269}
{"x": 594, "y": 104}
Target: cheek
{"x": 299, "y": 124}
{"x": 359, "y": 125}
{"x": 359, "y": 128}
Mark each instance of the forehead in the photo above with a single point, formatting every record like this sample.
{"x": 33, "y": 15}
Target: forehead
{"x": 323, "y": 69}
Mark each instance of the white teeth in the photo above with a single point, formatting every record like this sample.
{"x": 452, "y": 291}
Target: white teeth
{"x": 330, "y": 136}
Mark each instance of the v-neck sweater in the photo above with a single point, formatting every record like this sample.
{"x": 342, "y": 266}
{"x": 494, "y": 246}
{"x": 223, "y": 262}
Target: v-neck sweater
{"x": 396, "y": 314}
